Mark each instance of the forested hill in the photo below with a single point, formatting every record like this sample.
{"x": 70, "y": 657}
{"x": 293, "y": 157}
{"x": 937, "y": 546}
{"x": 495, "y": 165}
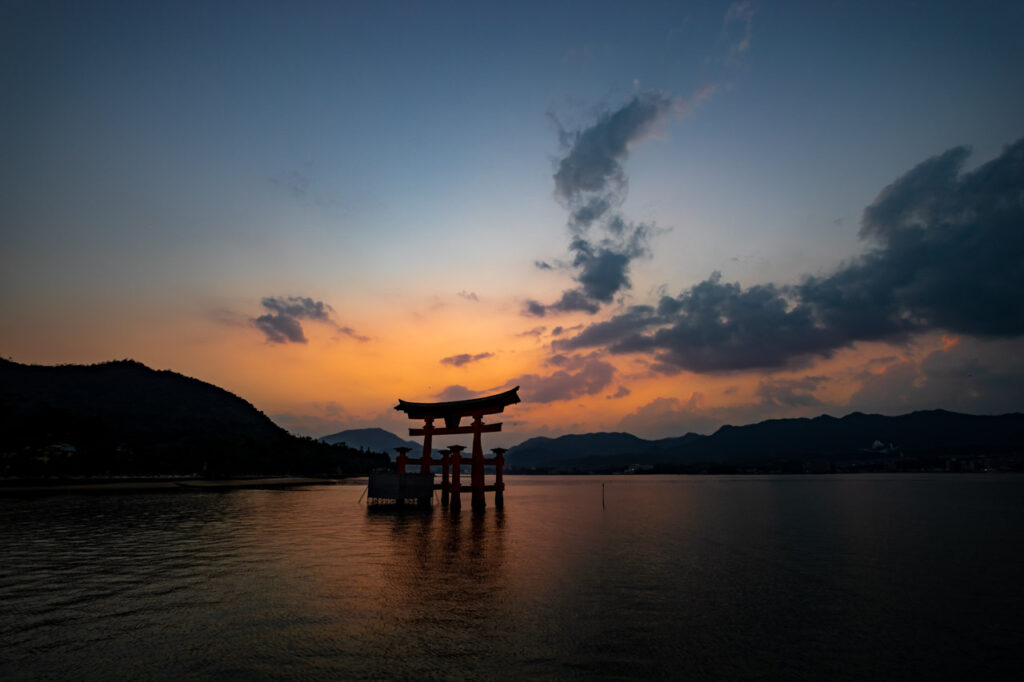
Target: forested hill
{"x": 123, "y": 418}
{"x": 935, "y": 434}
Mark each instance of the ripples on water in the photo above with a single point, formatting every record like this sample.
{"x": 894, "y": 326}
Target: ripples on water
{"x": 836, "y": 577}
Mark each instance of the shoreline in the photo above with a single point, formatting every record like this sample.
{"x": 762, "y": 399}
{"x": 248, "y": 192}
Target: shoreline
{"x": 169, "y": 484}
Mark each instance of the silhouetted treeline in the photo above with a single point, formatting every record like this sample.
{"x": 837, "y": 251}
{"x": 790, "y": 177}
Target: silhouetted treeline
{"x": 122, "y": 418}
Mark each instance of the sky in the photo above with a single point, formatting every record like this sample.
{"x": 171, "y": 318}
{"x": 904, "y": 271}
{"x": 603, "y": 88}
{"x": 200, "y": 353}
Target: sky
{"x": 652, "y": 217}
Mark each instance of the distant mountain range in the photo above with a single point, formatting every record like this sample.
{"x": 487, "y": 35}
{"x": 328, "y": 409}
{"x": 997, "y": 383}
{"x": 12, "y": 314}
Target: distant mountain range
{"x": 811, "y": 443}
{"x": 374, "y": 440}
{"x": 123, "y": 418}
{"x": 592, "y": 448}
{"x": 824, "y": 439}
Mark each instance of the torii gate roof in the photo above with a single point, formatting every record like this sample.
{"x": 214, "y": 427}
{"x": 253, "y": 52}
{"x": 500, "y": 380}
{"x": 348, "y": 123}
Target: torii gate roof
{"x": 491, "y": 404}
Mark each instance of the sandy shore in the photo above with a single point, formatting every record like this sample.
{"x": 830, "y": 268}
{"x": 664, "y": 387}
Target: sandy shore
{"x": 156, "y": 485}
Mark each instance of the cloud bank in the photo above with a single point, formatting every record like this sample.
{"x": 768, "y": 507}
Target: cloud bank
{"x": 945, "y": 253}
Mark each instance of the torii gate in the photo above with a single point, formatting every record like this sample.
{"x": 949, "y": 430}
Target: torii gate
{"x": 452, "y": 412}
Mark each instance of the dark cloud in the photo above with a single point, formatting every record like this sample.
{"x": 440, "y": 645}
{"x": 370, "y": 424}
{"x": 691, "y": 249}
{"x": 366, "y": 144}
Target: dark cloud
{"x": 298, "y": 307}
{"x": 532, "y": 308}
{"x": 949, "y": 254}
{"x": 571, "y": 300}
{"x": 574, "y": 299}
{"x": 577, "y": 376}
{"x": 635, "y": 319}
{"x": 569, "y": 362}
{"x": 602, "y": 272}
{"x": 464, "y": 359}
{"x": 665, "y": 369}
{"x": 790, "y": 392}
{"x": 559, "y": 330}
{"x": 946, "y": 252}
{"x": 280, "y": 328}
{"x": 469, "y": 296}
{"x": 590, "y": 178}
{"x": 542, "y": 265}
{"x": 621, "y": 393}
{"x": 591, "y": 183}
{"x": 716, "y": 327}
{"x": 536, "y": 331}
{"x": 281, "y": 324}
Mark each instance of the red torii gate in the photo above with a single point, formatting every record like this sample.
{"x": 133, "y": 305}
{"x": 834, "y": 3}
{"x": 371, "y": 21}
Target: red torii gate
{"x": 452, "y": 413}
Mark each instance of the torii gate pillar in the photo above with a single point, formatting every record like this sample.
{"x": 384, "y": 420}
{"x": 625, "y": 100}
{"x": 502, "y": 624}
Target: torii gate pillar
{"x": 478, "y": 465}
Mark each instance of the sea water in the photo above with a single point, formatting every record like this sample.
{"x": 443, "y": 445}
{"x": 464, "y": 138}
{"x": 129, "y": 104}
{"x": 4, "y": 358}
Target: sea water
{"x": 682, "y": 577}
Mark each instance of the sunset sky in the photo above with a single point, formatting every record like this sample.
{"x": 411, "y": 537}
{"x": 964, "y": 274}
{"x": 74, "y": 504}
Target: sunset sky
{"x": 653, "y": 217}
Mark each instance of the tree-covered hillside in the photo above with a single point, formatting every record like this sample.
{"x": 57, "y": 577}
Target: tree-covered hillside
{"x": 123, "y": 418}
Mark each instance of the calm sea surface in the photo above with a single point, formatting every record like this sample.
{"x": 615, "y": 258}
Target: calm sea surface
{"x": 795, "y": 577}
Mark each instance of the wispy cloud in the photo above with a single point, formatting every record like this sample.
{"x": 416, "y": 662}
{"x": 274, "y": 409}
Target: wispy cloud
{"x": 302, "y": 186}
{"x": 296, "y": 183}
{"x": 464, "y": 359}
{"x": 621, "y": 393}
{"x": 738, "y": 28}
{"x": 591, "y": 183}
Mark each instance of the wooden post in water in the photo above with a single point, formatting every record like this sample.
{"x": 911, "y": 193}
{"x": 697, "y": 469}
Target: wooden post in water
{"x": 456, "y": 480}
{"x": 499, "y": 478}
{"x": 445, "y": 485}
{"x": 428, "y": 432}
{"x": 479, "y": 501}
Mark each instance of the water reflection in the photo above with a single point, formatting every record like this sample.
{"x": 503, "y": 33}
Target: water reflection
{"x": 446, "y": 577}
{"x": 790, "y": 577}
